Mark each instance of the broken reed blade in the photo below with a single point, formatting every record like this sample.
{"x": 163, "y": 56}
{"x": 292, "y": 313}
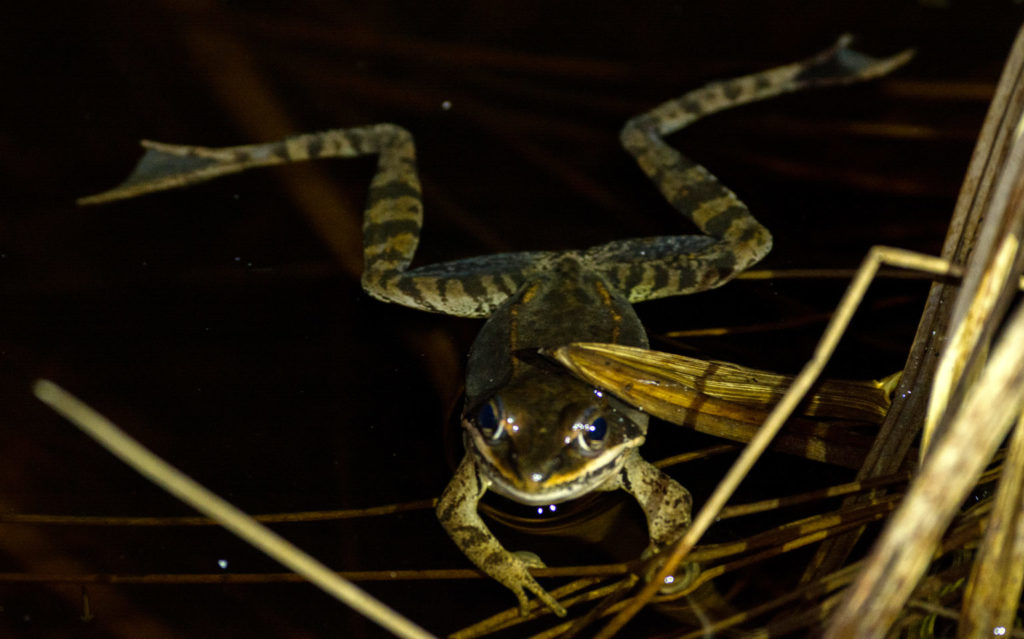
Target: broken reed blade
{"x": 730, "y": 401}
{"x": 656, "y": 378}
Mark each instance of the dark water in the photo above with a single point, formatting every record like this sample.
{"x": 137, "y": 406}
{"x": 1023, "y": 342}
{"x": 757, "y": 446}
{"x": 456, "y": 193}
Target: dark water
{"x": 219, "y": 326}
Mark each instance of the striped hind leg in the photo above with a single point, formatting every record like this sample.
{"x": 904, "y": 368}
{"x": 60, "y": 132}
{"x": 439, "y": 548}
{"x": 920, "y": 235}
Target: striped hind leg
{"x": 658, "y": 267}
{"x": 391, "y": 222}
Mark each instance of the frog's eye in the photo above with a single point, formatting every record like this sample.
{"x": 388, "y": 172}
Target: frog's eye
{"x": 489, "y": 420}
{"x": 591, "y": 430}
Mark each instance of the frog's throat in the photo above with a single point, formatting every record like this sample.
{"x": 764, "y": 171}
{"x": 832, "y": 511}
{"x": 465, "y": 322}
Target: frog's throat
{"x": 557, "y": 488}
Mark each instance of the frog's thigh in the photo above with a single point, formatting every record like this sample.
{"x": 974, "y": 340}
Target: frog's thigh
{"x": 654, "y": 267}
{"x": 471, "y": 287}
{"x": 738, "y": 240}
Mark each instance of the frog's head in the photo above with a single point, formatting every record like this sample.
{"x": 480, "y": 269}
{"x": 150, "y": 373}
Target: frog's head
{"x": 545, "y": 437}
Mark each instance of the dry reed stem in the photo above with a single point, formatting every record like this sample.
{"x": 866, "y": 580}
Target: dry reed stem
{"x": 993, "y": 590}
{"x": 511, "y": 617}
{"x": 782, "y": 411}
{"x": 941, "y": 611}
{"x": 740, "y": 510}
{"x": 905, "y": 548}
{"x": 970, "y": 340}
{"x": 185, "y": 488}
{"x": 910, "y": 399}
{"x": 805, "y": 592}
{"x": 987, "y": 288}
{"x": 270, "y": 518}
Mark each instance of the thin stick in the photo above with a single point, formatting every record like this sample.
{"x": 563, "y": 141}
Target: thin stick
{"x": 269, "y": 518}
{"x": 185, "y": 488}
{"x": 993, "y": 590}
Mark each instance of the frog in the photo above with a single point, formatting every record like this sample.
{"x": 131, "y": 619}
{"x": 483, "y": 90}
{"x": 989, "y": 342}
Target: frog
{"x": 532, "y": 432}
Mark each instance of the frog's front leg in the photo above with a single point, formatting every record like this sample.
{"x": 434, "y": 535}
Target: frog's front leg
{"x": 666, "y": 504}
{"x": 457, "y": 511}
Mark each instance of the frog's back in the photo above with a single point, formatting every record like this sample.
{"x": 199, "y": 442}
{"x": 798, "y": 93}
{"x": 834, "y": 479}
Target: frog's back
{"x": 562, "y": 303}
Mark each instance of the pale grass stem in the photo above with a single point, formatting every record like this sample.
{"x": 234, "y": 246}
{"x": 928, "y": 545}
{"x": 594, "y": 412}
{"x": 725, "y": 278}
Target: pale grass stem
{"x": 188, "y": 490}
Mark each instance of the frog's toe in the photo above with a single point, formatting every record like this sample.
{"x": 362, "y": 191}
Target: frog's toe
{"x": 548, "y": 600}
{"x": 540, "y": 593}
{"x": 524, "y": 601}
{"x": 519, "y": 580}
{"x": 531, "y": 559}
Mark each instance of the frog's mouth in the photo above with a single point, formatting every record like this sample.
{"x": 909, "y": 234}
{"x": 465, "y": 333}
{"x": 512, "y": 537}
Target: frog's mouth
{"x": 556, "y": 488}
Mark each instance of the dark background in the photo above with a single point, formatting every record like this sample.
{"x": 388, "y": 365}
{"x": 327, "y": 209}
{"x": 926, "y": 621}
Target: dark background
{"x": 224, "y": 325}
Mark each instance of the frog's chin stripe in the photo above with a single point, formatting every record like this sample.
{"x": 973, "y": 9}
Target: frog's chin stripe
{"x": 558, "y": 488}
{"x": 554, "y": 495}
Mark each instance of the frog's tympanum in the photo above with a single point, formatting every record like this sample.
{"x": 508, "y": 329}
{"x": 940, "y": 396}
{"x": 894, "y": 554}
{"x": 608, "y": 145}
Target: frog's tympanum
{"x": 532, "y": 432}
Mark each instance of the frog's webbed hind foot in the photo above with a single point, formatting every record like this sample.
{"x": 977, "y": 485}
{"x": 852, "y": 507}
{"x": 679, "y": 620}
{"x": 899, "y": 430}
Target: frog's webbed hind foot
{"x": 172, "y": 166}
{"x": 840, "y": 64}
{"x": 659, "y": 267}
